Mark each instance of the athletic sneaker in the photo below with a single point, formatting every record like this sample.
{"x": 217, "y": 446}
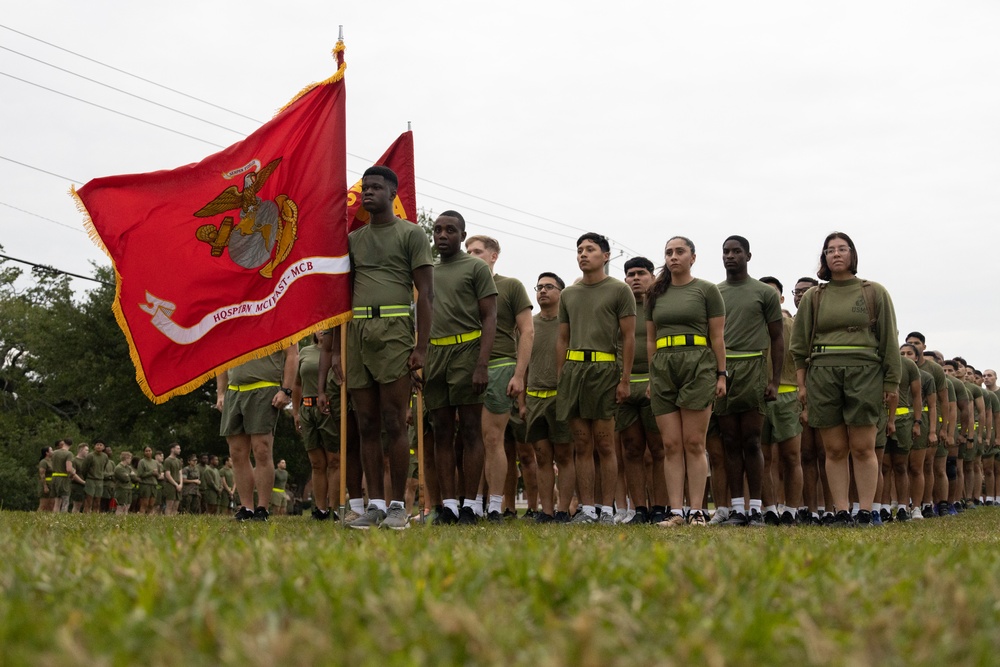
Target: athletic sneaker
{"x": 582, "y": 518}
{"x": 917, "y": 514}
{"x": 830, "y": 519}
{"x": 876, "y": 518}
{"x": 865, "y": 519}
{"x": 941, "y": 509}
{"x": 719, "y": 517}
{"x": 509, "y": 514}
{"x": 351, "y": 516}
{"x": 243, "y": 514}
{"x": 787, "y": 518}
{"x": 737, "y": 519}
{"x": 697, "y": 518}
{"x": 952, "y": 510}
{"x": 606, "y": 518}
{"x": 842, "y": 519}
{"x": 495, "y": 517}
{"x": 657, "y": 515}
{"x": 542, "y": 517}
{"x": 467, "y": 517}
{"x": 530, "y": 515}
{"x": 771, "y": 518}
{"x": 803, "y": 515}
{"x": 561, "y": 517}
{"x": 901, "y": 514}
{"x": 370, "y": 519}
{"x": 885, "y": 515}
{"x": 639, "y": 518}
{"x": 260, "y": 514}
{"x": 443, "y": 516}
{"x": 673, "y": 521}
{"x": 756, "y": 520}
{"x": 320, "y": 515}
{"x": 396, "y": 519}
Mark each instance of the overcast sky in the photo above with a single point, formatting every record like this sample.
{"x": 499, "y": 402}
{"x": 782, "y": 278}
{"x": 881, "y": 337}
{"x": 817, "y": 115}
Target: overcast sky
{"x": 780, "y": 121}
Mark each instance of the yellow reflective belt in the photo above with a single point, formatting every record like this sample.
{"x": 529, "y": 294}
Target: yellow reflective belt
{"x": 368, "y": 312}
{"x": 825, "y": 348}
{"x": 641, "y": 377}
{"x": 60, "y": 474}
{"x": 502, "y": 363}
{"x": 278, "y": 490}
{"x": 588, "y": 355}
{"x": 927, "y": 409}
{"x": 903, "y": 411}
{"x": 543, "y": 393}
{"x": 255, "y": 385}
{"x": 456, "y": 339}
{"x": 743, "y": 355}
{"x": 681, "y": 340}
{"x": 787, "y": 388}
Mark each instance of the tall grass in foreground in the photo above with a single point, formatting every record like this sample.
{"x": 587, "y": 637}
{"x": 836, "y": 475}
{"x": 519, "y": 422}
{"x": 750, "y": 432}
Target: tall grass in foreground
{"x": 106, "y": 590}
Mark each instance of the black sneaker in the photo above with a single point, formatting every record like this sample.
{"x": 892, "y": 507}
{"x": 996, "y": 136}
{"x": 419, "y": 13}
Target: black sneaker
{"x": 529, "y": 515}
{"x": 561, "y": 517}
{"x": 756, "y": 520}
{"x": 641, "y": 517}
{"x": 261, "y": 514}
{"x": 885, "y": 515}
{"x": 243, "y": 514}
{"x": 802, "y": 515}
{"x": 320, "y": 515}
{"x": 813, "y": 520}
{"x": 493, "y": 517}
{"x": 787, "y": 518}
{"x": 902, "y": 514}
{"x": 738, "y": 519}
{"x": 771, "y": 518}
{"x": 542, "y": 517}
{"x": 864, "y": 519}
{"x": 843, "y": 519}
{"x": 509, "y": 514}
{"x": 830, "y": 519}
{"x": 658, "y": 514}
{"x": 467, "y": 517}
{"x": 444, "y": 517}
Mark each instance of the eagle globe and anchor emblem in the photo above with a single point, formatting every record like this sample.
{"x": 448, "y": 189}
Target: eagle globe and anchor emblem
{"x": 263, "y": 236}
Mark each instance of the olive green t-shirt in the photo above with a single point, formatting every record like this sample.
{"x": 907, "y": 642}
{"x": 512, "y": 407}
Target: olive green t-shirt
{"x": 172, "y": 465}
{"x": 512, "y": 299}
{"x": 641, "y": 362}
{"x": 60, "y": 457}
{"x": 227, "y": 474}
{"x": 281, "y": 476}
{"x": 266, "y": 369}
{"x": 210, "y": 479}
{"x": 910, "y": 374}
{"x": 94, "y": 464}
{"x": 109, "y": 470}
{"x": 45, "y": 467}
{"x": 935, "y": 370}
{"x": 928, "y": 386}
{"x": 686, "y": 309}
{"x": 78, "y": 463}
{"x": 460, "y": 282}
{"x": 788, "y": 366}
{"x": 542, "y": 367}
{"x": 750, "y": 307}
{"x": 974, "y": 393}
{"x": 383, "y": 258}
{"x": 593, "y": 313}
{"x": 309, "y": 371}
{"x": 953, "y": 392}
{"x": 148, "y": 471}
{"x": 123, "y": 477}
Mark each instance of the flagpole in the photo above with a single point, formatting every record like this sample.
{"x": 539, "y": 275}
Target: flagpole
{"x": 343, "y": 422}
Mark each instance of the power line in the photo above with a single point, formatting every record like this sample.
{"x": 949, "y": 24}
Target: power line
{"x": 114, "y": 111}
{"x": 124, "y": 92}
{"x": 46, "y": 267}
{"x": 55, "y": 222}
{"x": 28, "y": 166}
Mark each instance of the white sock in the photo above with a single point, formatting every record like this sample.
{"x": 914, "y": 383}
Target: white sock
{"x": 380, "y": 504}
{"x": 628, "y": 504}
{"x": 589, "y": 510}
{"x": 495, "y": 503}
{"x": 755, "y": 504}
{"x": 854, "y": 509}
{"x": 476, "y": 505}
{"x": 772, "y": 508}
{"x": 479, "y": 499}
{"x": 739, "y": 506}
{"x": 357, "y": 505}
{"x": 876, "y": 507}
{"x": 990, "y": 498}
{"x": 396, "y": 503}
{"x": 451, "y": 504}
{"x": 724, "y": 510}
{"x": 676, "y": 512}
{"x": 815, "y": 515}
{"x": 821, "y": 509}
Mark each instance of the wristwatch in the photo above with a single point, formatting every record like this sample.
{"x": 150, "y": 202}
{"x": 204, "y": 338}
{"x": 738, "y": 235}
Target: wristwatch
{"x": 722, "y": 374}
{"x": 288, "y": 392}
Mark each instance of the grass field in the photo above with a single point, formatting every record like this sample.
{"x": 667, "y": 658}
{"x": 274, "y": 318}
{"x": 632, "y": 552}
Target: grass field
{"x": 106, "y": 590}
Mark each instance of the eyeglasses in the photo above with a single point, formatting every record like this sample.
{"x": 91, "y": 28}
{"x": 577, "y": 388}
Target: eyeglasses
{"x": 546, "y": 287}
{"x": 839, "y": 250}
{"x": 799, "y": 292}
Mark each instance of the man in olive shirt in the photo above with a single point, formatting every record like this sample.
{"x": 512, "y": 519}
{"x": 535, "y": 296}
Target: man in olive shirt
{"x": 123, "y": 477}
{"x": 549, "y": 436}
{"x": 279, "y": 501}
{"x": 939, "y": 417}
{"x": 148, "y": 472}
{"x": 962, "y": 431}
{"x": 173, "y": 484}
{"x": 78, "y": 490}
{"x": 592, "y": 315}
{"x": 190, "y": 495}
{"x": 228, "y": 485}
{"x": 507, "y": 367}
{"x": 250, "y": 398}
{"x": 93, "y": 473}
{"x": 389, "y": 258}
{"x": 753, "y": 325}
{"x": 211, "y": 486}
{"x": 64, "y": 473}
{"x": 634, "y": 421}
{"x": 457, "y": 372}
{"x": 990, "y": 470}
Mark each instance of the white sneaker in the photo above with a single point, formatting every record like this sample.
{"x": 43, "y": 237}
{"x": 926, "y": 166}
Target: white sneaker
{"x": 719, "y": 516}
{"x": 917, "y": 514}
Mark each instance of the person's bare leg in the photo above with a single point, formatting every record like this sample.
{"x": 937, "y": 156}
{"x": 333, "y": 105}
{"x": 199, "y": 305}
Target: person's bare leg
{"x": 263, "y": 470}
{"x": 633, "y": 445}
{"x": 368, "y": 415}
{"x": 694, "y": 427}
{"x": 320, "y": 478}
{"x": 495, "y": 458}
{"x": 717, "y": 461}
{"x": 239, "y": 450}
{"x": 332, "y": 480}
{"x": 529, "y": 473}
{"x": 673, "y": 447}
{"x": 546, "y": 476}
{"x": 564, "y": 458}
{"x": 473, "y": 454}
{"x": 583, "y": 452}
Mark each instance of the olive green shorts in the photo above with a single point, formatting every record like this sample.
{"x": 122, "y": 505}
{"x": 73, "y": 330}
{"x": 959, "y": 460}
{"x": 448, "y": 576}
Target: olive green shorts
{"x": 94, "y": 488}
{"x": 921, "y": 442}
{"x": 781, "y": 418}
{"x": 542, "y": 423}
{"x": 682, "y": 377}
{"x": 77, "y": 492}
{"x": 968, "y": 452}
{"x": 147, "y": 491}
{"x": 59, "y": 487}
{"x": 849, "y": 395}
{"x": 279, "y": 498}
{"x": 42, "y": 493}
{"x": 248, "y": 412}
{"x": 517, "y": 428}
{"x": 902, "y": 441}
{"x": 378, "y": 350}
{"x": 448, "y": 375}
{"x": 211, "y": 497}
{"x": 225, "y": 499}
{"x": 319, "y": 430}
{"x": 637, "y": 407}
{"x": 496, "y": 399}
{"x": 109, "y": 489}
{"x": 123, "y": 496}
{"x": 745, "y": 388}
{"x": 587, "y": 390}
{"x": 170, "y": 491}
{"x": 881, "y": 439}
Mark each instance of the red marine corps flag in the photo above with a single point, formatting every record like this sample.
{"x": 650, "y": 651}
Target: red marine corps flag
{"x": 399, "y": 158}
{"x": 236, "y": 256}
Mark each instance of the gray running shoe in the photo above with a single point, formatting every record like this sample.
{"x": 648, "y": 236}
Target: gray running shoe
{"x": 583, "y": 517}
{"x": 720, "y": 515}
{"x": 607, "y": 518}
{"x": 370, "y": 519}
{"x": 396, "y": 519}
